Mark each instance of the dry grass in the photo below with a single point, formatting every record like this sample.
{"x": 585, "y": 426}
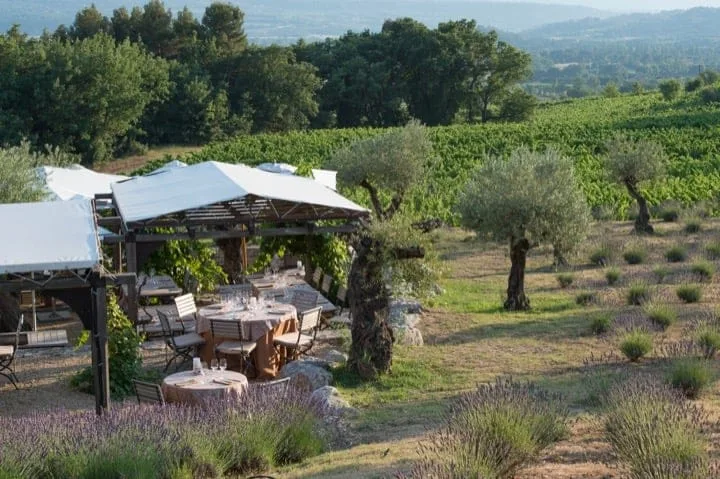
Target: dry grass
{"x": 129, "y": 164}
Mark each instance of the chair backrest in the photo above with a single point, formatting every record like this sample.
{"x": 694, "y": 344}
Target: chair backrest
{"x": 185, "y": 307}
{"x": 21, "y": 320}
{"x": 226, "y": 329}
{"x": 275, "y": 387}
{"x": 310, "y": 320}
{"x": 165, "y": 325}
{"x": 304, "y": 300}
{"x": 341, "y": 296}
{"x": 148, "y": 393}
{"x": 327, "y": 282}
{"x": 317, "y": 276}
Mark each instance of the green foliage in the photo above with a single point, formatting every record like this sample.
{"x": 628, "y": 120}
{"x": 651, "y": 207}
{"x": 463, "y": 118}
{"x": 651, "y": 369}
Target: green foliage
{"x": 125, "y": 358}
{"x": 689, "y": 293}
{"x": 708, "y": 338}
{"x": 601, "y": 324}
{"x": 585, "y": 299}
{"x": 636, "y": 344}
{"x": 691, "y": 376}
{"x": 661, "y": 314}
{"x": 631, "y": 163}
{"x": 531, "y": 195}
{"x": 176, "y": 257}
{"x": 19, "y": 181}
{"x": 636, "y": 254}
{"x": 670, "y": 89}
{"x": 611, "y": 91}
{"x": 712, "y": 250}
{"x": 710, "y": 94}
{"x": 612, "y": 276}
{"x": 655, "y": 433}
{"x": 565, "y": 279}
{"x": 602, "y": 255}
{"x": 669, "y": 211}
{"x": 661, "y": 272}
{"x": 638, "y": 293}
{"x": 703, "y": 270}
{"x": 676, "y": 254}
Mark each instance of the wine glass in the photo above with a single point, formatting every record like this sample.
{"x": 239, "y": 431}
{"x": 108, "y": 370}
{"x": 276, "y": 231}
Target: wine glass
{"x": 214, "y": 364}
{"x": 223, "y": 364}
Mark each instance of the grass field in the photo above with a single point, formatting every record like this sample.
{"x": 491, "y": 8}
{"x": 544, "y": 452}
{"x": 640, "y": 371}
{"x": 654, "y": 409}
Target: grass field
{"x": 470, "y": 339}
{"x": 128, "y": 164}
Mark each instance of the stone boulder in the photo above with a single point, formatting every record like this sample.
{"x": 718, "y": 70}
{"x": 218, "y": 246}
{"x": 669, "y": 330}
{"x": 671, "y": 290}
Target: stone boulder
{"x": 403, "y": 317}
{"x": 329, "y": 397}
{"x": 306, "y": 375}
{"x": 335, "y": 357}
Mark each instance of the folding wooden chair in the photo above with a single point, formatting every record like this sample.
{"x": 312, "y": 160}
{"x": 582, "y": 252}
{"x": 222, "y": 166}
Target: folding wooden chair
{"x": 7, "y": 355}
{"x": 148, "y": 393}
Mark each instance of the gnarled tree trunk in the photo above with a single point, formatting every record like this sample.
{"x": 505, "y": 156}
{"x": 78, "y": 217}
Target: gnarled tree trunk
{"x": 232, "y": 257}
{"x": 559, "y": 259}
{"x": 516, "y": 299}
{"x": 372, "y": 338}
{"x": 9, "y": 312}
{"x": 642, "y": 222}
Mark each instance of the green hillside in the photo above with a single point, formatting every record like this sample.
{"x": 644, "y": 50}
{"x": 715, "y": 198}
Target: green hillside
{"x": 689, "y": 132}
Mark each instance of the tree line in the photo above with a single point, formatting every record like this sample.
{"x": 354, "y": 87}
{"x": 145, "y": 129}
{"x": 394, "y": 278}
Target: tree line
{"x": 108, "y": 85}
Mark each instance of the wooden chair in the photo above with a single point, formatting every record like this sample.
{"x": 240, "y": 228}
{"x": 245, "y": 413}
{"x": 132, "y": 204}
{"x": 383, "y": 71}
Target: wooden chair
{"x": 301, "y": 341}
{"x": 236, "y": 344}
{"x": 183, "y": 346}
{"x": 304, "y": 300}
{"x": 326, "y": 284}
{"x": 7, "y": 355}
{"x": 148, "y": 393}
{"x": 273, "y": 388}
{"x": 342, "y": 315}
{"x": 317, "y": 277}
{"x": 187, "y": 312}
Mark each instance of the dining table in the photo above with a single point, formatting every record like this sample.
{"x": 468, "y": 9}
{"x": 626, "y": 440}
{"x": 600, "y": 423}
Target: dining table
{"x": 270, "y": 319}
{"x": 189, "y": 387}
{"x": 293, "y": 280}
{"x": 162, "y": 287}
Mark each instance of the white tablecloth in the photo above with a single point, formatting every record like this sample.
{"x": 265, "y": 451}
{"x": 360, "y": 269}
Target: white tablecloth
{"x": 254, "y": 326}
{"x": 187, "y": 387}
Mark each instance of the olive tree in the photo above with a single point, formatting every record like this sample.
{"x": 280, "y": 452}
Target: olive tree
{"x": 389, "y": 254}
{"x": 528, "y": 199}
{"x": 631, "y": 163}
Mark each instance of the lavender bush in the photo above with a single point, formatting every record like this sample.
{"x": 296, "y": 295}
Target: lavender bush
{"x": 248, "y": 435}
{"x": 655, "y": 433}
{"x": 492, "y": 433}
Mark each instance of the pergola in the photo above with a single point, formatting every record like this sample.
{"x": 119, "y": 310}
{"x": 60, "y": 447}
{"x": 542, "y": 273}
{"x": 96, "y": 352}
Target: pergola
{"x": 215, "y": 200}
{"x": 54, "y": 248}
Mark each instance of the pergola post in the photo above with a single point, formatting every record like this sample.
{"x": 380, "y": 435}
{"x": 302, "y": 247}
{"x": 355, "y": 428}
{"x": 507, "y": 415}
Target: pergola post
{"x": 132, "y": 267}
{"x": 99, "y": 344}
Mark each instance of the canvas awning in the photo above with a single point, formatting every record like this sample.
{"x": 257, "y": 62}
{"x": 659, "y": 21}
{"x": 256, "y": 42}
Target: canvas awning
{"x": 75, "y": 182}
{"x": 324, "y": 177}
{"x": 48, "y": 236}
{"x": 212, "y": 192}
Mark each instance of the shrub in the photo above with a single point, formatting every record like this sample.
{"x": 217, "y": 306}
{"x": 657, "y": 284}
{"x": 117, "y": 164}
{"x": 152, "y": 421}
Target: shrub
{"x": 704, "y": 270}
{"x": 661, "y": 272}
{"x": 708, "y": 338}
{"x": 493, "y": 432}
{"x": 676, "y": 254}
{"x": 602, "y": 256}
{"x": 635, "y": 255}
{"x": 693, "y": 225}
{"x": 565, "y": 279}
{"x": 636, "y": 344}
{"x": 612, "y": 276}
{"x": 597, "y": 383}
{"x": 710, "y": 94}
{"x": 691, "y": 376}
{"x": 661, "y": 314}
{"x": 669, "y": 211}
{"x": 712, "y": 250}
{"x": 689, "y": 293}
{"x": 124, "y": 357}
{"x": 601, "y": 324}
{"x": 225, "y": 438}
{"x": 602, "y": 212}
{"x": 585, "y": 299}
{"x": 670, "y": 89}
{"x": 655, "y": 433}
{"x": 638, "y": 293}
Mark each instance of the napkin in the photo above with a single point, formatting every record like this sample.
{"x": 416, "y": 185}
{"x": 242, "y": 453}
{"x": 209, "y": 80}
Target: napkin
{"x": 224, "y": 382}
{"x": 187, "y": 382}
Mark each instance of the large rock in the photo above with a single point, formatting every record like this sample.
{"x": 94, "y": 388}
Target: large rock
{"x": 306, "y": 375}
{"x": 329, "y": 397}
{"x": 335, "y": 357}
{"x": 403, "y": 317}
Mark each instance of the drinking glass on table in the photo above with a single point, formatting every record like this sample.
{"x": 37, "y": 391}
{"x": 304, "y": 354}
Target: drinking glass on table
{"x": 223, "y": 364}
{"x": 214, "y": 364}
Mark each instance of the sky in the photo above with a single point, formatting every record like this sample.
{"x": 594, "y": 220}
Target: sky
{"x": 638, "y": 5}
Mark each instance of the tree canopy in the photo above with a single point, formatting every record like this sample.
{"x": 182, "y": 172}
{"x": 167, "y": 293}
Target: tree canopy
{"x": 527, "y": 200}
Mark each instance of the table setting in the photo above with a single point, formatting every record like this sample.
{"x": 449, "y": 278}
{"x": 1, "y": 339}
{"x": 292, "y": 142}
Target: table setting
{"x": 203, "y": 384}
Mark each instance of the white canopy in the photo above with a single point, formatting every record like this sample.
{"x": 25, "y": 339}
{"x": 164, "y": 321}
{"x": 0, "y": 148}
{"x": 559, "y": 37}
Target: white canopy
{"x": 48, "y": 236}
{"x": 75, "y": 182}
{"x": 212, "y": 183}
{"x": 169, "y": 166}
{"x": 324, "y": 177}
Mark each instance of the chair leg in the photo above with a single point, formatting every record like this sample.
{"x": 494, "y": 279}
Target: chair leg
{"x": 11, "y": 377}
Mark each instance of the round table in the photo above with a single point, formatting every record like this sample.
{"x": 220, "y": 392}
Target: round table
{"x": 190, "y": 388}
{"x": 254, "y": 326}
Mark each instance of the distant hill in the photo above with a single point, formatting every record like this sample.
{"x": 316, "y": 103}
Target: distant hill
{"x": 285, "y": 21}
{"x": 680, "y": 25}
